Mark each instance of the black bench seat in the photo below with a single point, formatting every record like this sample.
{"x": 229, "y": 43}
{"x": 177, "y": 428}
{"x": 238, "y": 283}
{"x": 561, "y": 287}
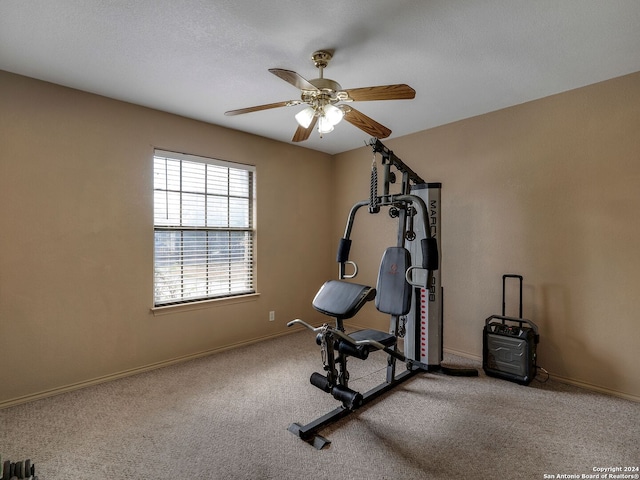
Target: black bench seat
{"x": 342, "y": 300}
{"x": 384, "y": 338}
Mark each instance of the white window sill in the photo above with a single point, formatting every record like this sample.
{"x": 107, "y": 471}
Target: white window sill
{"x": 214, "y": 302}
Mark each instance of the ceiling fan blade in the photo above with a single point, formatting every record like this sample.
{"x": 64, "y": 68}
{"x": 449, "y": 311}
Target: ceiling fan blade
{"x": 293, "y": 78}
{"x": 303, "y": 133}
{"x": 366, "y": 124}
{"x": 382, "y": 92}
{"x": 262, "y": 107}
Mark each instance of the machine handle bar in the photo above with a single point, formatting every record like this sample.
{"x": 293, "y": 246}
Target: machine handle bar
{"x": 340, "y": 334}
{"x": 349, "y": 339}
{"x": 409, "y": 276}
{"x": 344, "y": 275}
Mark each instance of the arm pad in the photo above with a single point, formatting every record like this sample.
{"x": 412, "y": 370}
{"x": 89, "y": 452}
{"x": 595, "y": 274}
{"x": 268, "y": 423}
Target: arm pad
{"x": 343, "y": 250}
{"x": 430, "y": 253}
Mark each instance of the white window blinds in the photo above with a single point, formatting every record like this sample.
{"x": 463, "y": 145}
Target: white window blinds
{"x": 204, "y": 228}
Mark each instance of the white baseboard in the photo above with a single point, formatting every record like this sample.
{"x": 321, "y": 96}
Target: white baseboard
{"x": 134, "y": 371}
{"x": 185, "y": 358}
{"x": 470, "y": 356}
{"x": 596, "y": 388}
{"x": 559, "y": 378}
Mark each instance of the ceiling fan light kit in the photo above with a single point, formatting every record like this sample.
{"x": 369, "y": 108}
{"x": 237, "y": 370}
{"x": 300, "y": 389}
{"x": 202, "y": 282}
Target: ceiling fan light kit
{"x": 324, "y": 125}
{"x": 328, "y": 117}
{"x": 323, "y": 97}
{"x": 334, "y": 114}
{"x": 304, "y": 117}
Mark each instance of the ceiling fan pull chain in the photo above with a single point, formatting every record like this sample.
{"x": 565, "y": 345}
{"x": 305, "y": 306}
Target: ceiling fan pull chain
{"x": 373, "y": 199}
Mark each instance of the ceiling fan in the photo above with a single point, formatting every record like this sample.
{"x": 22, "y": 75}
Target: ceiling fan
{"x": 324, "y": 98}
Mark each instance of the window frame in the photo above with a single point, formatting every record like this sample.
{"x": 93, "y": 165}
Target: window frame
{"x": 248, "y": 258}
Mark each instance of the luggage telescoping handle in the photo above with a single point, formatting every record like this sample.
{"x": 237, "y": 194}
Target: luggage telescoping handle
{"x": 512, "y": 319}
{"x": 504, "y": 282}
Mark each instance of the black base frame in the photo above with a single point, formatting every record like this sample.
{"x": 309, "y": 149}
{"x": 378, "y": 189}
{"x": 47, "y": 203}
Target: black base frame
{"x": 309, "y": 432}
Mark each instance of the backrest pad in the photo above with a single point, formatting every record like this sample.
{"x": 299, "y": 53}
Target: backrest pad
{"x": 393, "y": 292}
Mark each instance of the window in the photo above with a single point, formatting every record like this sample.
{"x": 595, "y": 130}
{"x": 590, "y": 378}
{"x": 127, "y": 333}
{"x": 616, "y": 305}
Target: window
{"x": 204, "y": 228}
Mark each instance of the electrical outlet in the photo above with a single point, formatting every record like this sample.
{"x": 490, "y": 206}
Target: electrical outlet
{"x": 272, "y": 316}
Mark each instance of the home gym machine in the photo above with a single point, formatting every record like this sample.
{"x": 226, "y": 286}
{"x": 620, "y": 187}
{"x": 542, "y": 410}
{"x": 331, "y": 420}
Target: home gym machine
{"x": 408, "y": 289}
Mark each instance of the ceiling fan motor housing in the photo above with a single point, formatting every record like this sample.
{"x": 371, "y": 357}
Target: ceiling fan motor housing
{"x": 328, "y": 91}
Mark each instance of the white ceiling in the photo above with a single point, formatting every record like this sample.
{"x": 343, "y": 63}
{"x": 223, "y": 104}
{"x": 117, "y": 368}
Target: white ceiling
{"x": 199, "y": 58}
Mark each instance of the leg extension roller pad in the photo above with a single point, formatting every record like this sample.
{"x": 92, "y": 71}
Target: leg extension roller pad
{"x": 349, "y": 398}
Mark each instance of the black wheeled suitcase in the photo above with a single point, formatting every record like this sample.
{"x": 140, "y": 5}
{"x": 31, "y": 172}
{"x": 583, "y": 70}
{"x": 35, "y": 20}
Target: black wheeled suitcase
{"x": 509, "y": 344}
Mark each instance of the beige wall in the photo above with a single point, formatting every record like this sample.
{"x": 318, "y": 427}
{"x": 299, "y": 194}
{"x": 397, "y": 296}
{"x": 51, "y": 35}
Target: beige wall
{"x": 76, "y": 238}
{"x": 548, "y": 189}
{"x": 551, "y": 190}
